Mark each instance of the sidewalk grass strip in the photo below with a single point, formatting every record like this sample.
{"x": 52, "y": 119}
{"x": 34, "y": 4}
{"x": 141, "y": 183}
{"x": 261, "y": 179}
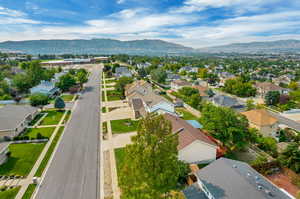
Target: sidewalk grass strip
{"x": 29, "y": 191}
{"x": 22, "y": 159}
{"x": 44, "y": 162}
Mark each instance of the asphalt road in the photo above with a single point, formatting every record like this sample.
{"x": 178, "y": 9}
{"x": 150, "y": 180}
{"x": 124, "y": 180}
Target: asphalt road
{"x": 283, "y": 120}
{"x": 74, "y": 172}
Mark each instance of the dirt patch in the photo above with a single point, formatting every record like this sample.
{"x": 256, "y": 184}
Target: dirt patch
{"x": 284, "y": 180}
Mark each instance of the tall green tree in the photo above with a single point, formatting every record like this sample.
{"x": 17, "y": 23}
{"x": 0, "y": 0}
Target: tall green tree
{"x": 59, "y": 103}
{"x": 290, "y": 157}
{"x": 159, "y": 75}
{"x": 121, "y": 83}
{"x": 38, "y": 99}
{"x": 66, "y": 82}
{"x": 82, "y": 77}
{"x": 272, "y": 98}
{"x": 152, "y": 167}
{"x": 21, "y": 82}
{"x": 229, "y": 127}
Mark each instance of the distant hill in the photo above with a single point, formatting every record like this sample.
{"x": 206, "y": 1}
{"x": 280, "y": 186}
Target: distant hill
{"x": 280, "y": 46}
{"x": 96, "y": 46}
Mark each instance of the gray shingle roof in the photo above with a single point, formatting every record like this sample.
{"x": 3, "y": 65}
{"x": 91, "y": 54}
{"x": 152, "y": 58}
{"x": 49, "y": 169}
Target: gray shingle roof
{"x": 12, "y": 115}
{"x": 231, "y": 179}
{"x": 192, "y": 192}
{"x": 223, "y": 100}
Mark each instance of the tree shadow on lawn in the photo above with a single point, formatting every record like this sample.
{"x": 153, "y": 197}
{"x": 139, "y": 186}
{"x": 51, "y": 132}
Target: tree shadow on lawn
{"x": 8, "y": 166}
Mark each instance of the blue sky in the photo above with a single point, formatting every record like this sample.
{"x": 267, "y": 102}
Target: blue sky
{"x": 194, "y": 23}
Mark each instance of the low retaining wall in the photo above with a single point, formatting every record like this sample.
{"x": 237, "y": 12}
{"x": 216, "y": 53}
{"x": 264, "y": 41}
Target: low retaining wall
{"x": 28, "y": 141}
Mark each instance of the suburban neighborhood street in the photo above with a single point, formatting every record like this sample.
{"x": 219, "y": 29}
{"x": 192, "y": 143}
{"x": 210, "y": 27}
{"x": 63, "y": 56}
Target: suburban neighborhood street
{"x": 74, "y": 170}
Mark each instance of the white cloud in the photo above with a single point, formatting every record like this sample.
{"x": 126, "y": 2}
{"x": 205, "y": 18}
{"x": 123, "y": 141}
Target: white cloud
{"x": 125, "y": 22}
{"x": 11, "y": 13}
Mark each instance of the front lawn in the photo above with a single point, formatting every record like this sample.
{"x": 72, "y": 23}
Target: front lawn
{"x": 9, "y": 193}
{"x": 123, "y": 126}
{"x": 44, "y": 162}
{"x": 113, "y": 95}
{"x": 22, "y": 159}
{"x": 186, "y": 115}
{"x": 67, "y": 98}
{"x": 53, "y": 117}
{"x": 120, "y": 159}
{"x": 29, "y": 191}
{"x": 32, "y": 132}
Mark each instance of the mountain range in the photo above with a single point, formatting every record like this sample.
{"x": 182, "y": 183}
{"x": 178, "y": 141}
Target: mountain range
{"x": 142, "y": 47}
{"x": 95, "y": 46}
{"x": 280, "y": 46}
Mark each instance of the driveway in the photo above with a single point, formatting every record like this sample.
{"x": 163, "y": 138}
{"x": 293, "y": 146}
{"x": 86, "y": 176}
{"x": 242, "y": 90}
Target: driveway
{"x": 118, "y": 114}
{"x": 118, "y": 141}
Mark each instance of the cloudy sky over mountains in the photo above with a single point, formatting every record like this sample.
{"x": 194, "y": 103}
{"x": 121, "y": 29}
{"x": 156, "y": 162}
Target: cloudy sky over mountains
{"x": 195, "y": 23}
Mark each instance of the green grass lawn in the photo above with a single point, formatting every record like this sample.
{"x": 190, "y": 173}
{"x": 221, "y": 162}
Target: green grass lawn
{"x": 103, "y": 110}
{"x": 120, "y": 159}
{"x": 123, "y": 126}
{"x": 110, "y": 81}
{"x": 186, "y": 115}
{"x": 113, "y": 95}
{"x": 32, "y": 132}
{"x": 29, "y": 191}
{"x": 67, "y": 98}
{"x": 67, "y": 117}
{"x": 53, "y": 117}
{"x": 44, "y": 162}
{"x": 22, "y": 159}
{"x": 9, "y": 193}
{"x": 103, "y": 96}
{"x": 39, "y": 116}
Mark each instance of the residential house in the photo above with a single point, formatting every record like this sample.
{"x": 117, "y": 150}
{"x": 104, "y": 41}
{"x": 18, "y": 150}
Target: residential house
{"x": 264, "y": 87}
{"x": 203, "y": 91}
{"x": 194, "y": 146}
{"x": 226, "y": 101}
{"x": 224, "y": 76}
{"x": 143, "y": 65}
{"x": 284, "y": 79}
{"x": 200, "y": 82}
{"x": 45, "y": 87}
{"x": 3, "y": 151}
{"x": 178, "y": 84}
{"x": 143, "y": 100}
{"x": 14, "y": 119}
{"x": 122, "y": 72}
{"x": 172, "y": 77}
{"x": 232, "y": 179}
{"x": 189, "y": 69}
{"x": 262, "y": 120}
